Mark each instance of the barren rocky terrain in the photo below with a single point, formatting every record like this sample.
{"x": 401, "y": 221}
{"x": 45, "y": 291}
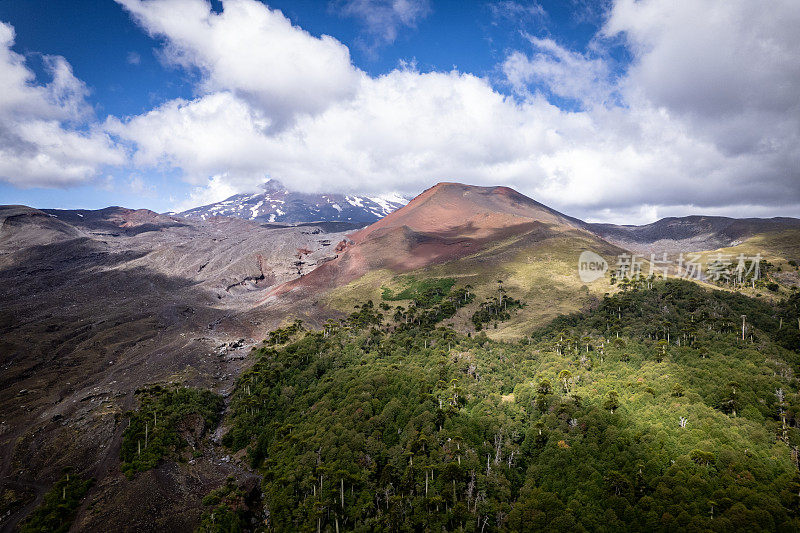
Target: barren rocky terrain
{"x": 95, "y": 304}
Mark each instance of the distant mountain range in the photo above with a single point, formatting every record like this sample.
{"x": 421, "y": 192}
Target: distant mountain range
{"x": 278, "y": 204}
{"x": 697, "y": 232}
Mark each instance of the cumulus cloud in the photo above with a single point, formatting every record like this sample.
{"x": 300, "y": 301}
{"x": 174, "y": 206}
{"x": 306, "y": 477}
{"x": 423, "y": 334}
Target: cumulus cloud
{"x": 667, "y": 134}
{"x": 252, "y": 51}
{"x": 44, "y": 137}
{"x": 403, "y": 127}
{"x": 217, "y": 134}
{"x": 411, "y": 129}
{"x": 730, "y": 69}
{"x": 712, "y": 58}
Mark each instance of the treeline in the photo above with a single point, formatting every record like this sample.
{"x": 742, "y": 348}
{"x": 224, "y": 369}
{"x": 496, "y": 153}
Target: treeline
{"x": 435, "y": 300}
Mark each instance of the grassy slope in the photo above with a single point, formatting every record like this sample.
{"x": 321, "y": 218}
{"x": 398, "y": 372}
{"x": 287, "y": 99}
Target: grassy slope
{"x": 544, "y": 275}
{"x": 777, "y": 247}
{"x": 541, "y": 273}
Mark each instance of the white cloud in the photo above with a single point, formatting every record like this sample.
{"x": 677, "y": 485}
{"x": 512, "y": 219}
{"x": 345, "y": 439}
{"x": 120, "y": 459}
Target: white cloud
{"x": 564, "y": 73}
{"x": 410, "y": 129}
{"x": 384, "y": 18}
{"x": 44, "y": 139}
{"x": 731, "y": 68}
{"x": 216, "y": 134}
{"x": 418, "y": 126}
{"x": 640, "y": 140}
{"x": 216, "y": 189}
{"x": 252, "y": 51}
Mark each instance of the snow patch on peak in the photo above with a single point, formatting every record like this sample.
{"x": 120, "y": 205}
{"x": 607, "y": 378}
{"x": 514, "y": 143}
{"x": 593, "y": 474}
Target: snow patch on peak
{"x": 354, "y": 200}
{"x": 388, "y": 205}
{"x": 394, "y": 198}
{"x": 254, "y": 209}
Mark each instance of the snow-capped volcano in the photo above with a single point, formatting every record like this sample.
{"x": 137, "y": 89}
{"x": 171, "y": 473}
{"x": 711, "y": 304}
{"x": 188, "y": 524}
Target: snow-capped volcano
{"x": 278, "y": 204}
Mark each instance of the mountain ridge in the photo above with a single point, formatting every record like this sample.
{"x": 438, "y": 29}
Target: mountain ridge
{"x": 278, "y": 204}
{"x": 688, "y": 233}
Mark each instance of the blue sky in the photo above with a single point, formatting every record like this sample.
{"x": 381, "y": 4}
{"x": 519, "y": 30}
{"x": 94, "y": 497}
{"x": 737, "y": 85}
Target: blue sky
{"x": 577, "y": 103}
{"x": 99, "y": 39}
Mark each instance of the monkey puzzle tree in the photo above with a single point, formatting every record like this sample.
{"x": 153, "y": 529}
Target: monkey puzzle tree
{"x": 612, "y": 401}
{"x": 565, "y": 377}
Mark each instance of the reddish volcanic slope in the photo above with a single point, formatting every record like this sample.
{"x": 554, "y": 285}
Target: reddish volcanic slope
{"x": 457, "y": 210}
{"x": 447, "y": 221}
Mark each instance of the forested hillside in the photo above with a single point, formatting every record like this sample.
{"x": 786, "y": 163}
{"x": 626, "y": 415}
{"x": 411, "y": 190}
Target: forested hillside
{"x": 665, "y": 407}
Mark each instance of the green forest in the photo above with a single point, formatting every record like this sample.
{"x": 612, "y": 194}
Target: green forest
{"x": 667, "y": 406}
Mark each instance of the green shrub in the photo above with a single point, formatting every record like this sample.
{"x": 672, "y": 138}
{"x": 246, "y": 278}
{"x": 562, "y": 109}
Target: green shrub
{"x": 59, "y": 506}
{"x": 153, "y": 430}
